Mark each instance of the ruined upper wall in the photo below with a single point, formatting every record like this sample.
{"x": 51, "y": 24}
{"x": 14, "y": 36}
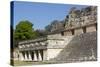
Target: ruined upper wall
{"x": 78, "y": 18}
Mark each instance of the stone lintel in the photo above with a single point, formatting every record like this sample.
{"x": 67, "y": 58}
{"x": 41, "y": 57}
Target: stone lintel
{"x": 43, "y": 47}
{"x": 33, "y": 48}
{"x": 32, "y": 41}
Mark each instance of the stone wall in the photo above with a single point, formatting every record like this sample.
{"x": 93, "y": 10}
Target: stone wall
{"x": 56, "y": 45}
{"x": 68, "y": 33}
{"x": 45, "y": 55}
{"x": 91, "y": 28}
{"x": 78, "y": 31}
{"x": 16, "y": 54}
{"x": 52, "y": 53}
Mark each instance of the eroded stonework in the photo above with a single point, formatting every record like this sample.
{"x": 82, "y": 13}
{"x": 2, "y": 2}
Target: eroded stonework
{"x": 81, "y": 17}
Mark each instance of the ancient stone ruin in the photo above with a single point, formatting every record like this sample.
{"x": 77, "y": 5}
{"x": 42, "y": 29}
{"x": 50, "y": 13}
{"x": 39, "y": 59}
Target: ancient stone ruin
{"x": 75, "y": 42}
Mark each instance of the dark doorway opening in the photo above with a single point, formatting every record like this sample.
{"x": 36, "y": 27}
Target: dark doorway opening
{"x": 72, "y": 31}
{"x": 84, "y": 29}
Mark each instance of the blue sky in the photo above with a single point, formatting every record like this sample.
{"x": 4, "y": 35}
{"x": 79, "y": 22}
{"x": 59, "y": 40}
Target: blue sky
{"x": 40, "y": 14}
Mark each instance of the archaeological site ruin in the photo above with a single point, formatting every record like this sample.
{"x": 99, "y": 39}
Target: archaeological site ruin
{"x": 75, "y": 41}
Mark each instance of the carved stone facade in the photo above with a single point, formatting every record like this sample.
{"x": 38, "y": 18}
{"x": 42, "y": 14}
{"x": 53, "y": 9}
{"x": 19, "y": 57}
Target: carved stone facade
{"x": 81, "y": 17}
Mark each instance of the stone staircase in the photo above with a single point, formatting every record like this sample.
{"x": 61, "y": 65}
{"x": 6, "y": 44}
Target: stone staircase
{"x": 79, "y": 48}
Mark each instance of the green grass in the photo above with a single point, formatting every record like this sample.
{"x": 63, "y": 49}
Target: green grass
{"x": 21, "y": 63}
{"x": 25, "y": 63}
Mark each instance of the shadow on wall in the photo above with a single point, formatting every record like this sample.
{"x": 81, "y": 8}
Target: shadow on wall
{"x": 82, "y": 47}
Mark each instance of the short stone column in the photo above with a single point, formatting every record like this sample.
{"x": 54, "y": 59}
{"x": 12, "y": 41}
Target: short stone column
{"x": 39, "y": 57}
{"x": 26, "y": 58}
{"x": 21, "y": 57}
{"x": 29, "y": 56}
{"x": 35, "y": 56}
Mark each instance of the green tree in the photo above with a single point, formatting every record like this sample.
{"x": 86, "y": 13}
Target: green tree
{"x": 24, "y": 31}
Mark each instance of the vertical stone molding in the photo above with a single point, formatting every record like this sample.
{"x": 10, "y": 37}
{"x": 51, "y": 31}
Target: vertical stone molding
{"x": 21, "y": 57}
{"x": 26, "y": 58}
{"x": 40, "y": 56}
{"x": 29, "y": 56}
{"x": 35, "y": 56}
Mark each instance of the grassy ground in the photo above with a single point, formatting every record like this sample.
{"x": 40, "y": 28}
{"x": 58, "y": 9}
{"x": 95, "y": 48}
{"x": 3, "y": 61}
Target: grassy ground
{"x": 25, "y": 63}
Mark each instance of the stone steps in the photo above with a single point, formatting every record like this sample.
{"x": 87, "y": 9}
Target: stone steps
{"x": 81, "y": 47}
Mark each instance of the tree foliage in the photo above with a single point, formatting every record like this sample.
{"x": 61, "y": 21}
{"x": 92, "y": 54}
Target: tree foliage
{"x": 24, "y": 31}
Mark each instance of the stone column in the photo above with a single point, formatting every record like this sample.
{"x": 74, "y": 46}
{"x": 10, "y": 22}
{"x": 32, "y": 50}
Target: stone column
{"x": 29, "y": 56}
{"x": 26, "y": 58}
{"x": 21, "y": 57}
{"x": 39, "y": 57}
{"x": 35, "y": 57}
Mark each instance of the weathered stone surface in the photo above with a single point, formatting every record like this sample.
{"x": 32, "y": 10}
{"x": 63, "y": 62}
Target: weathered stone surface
{"x": 81, "y": 17}
{"x": 82, "y": 47}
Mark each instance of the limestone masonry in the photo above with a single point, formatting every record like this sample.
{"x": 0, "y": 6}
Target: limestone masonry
{"x": 76, "y": 41}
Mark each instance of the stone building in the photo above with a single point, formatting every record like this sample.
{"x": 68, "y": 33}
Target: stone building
{"x": 76, "y": 42}
{"x": 48, "y": 48}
